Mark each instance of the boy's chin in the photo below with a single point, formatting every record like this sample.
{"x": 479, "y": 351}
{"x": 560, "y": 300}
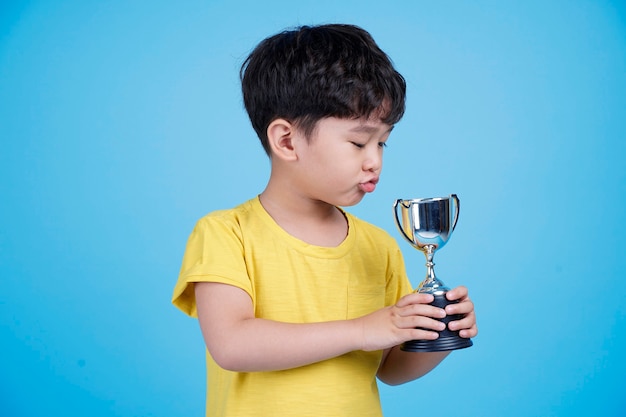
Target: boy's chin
{"x": 352, "y": 202}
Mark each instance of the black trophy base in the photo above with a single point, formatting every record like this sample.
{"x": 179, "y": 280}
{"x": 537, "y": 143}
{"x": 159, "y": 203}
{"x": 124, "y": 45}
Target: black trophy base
{"x": 448, "y": 340}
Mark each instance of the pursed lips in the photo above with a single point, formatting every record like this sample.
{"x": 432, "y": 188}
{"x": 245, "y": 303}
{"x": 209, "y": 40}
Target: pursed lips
{"x": 369, "y": 186}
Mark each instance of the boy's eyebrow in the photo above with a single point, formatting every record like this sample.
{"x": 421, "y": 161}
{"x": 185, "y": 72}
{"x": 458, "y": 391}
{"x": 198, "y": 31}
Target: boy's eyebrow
{"x": 369, "y": 129}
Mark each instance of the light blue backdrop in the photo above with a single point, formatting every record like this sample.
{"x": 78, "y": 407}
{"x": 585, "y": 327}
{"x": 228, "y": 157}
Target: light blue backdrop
{"x": 121, "y": 123}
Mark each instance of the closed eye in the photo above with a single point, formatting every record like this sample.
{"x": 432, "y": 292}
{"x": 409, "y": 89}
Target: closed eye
{"x": 382, "y": 144}
{"x": 358, "y": 145}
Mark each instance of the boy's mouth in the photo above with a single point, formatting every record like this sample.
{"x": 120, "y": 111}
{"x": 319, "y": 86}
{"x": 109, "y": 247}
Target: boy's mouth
{"x": 368, "y": 186}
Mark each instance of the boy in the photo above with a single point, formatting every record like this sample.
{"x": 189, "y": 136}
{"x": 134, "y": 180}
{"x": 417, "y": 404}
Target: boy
{"x": 302, "y": 306}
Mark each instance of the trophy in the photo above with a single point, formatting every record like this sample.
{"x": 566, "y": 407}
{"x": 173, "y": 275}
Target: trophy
{"x": 427, "y": 224}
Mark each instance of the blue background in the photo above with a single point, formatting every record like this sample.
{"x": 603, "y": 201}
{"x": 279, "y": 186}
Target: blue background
{"x": 121, "y": 124}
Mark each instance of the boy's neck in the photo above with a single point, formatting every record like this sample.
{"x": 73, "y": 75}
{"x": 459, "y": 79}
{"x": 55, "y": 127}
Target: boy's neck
{"x": 314, "y": 222}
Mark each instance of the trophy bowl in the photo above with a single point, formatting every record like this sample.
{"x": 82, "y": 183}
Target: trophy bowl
{"x": 427, "y": 224}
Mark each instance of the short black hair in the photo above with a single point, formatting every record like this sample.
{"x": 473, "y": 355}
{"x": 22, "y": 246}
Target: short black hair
{"x": 313, "y": 72}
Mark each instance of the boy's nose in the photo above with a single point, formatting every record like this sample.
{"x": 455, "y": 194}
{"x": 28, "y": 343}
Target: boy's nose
{"x": 373, "y": 162}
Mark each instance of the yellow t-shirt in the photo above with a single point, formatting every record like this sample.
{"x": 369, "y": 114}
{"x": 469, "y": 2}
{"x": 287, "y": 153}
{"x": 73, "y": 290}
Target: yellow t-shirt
{"x": 292, "y": 281}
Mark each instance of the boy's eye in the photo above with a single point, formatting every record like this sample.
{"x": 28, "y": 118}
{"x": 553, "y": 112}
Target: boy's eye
{"x": 362, "y": 145}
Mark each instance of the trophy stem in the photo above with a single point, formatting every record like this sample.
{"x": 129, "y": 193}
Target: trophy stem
{"x": 430, "y": 265}
{"x": 431, "y": 284}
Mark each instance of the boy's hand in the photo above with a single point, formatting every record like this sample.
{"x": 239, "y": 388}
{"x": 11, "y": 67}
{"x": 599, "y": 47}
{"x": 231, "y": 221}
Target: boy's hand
{"x": 398, "y": 367}
{"x": 467, "y": 325}
{"x": 410, "y": 318}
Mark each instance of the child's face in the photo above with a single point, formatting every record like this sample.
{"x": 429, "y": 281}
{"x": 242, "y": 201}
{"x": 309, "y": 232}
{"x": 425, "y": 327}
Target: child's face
{"x": 343, "y": 159}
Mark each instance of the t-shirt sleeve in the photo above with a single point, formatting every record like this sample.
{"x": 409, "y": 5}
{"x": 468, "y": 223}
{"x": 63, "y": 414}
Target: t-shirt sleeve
{"x": 214, "y": 253}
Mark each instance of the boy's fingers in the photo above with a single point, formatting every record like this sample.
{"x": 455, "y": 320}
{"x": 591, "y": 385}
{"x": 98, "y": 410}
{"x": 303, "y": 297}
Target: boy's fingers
{"x": 466, "y": 323}
{"x": 424, "y": 310}
{"x": 464, "y": 307}
{"x": 424, "y": 323}
{"x": 469, "y": 333}
{"x": 415, "y": 298}
{"x": 457, "y": 293}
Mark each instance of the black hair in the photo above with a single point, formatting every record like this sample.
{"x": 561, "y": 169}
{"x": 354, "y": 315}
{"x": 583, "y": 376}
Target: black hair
{"x": 313, "y": 72}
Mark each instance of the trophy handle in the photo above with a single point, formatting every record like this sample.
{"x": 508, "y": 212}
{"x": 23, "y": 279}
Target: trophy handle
{"x": 395, "y": 211}
{"x": 457, "y": 208}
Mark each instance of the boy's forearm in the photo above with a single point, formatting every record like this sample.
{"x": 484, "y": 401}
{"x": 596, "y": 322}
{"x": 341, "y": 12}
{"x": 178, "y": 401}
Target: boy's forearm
{"x": 399, "y": 367}
{"x": 265, "y": 345}
{"x": 239, "y": 341}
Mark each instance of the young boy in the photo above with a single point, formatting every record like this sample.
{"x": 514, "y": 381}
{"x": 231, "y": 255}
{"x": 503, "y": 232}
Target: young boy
{"x": 302, "y": 306}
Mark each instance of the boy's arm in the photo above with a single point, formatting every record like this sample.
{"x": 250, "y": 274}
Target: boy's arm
{"x": 238, "y": 341}
{"x": 398, "y": 367}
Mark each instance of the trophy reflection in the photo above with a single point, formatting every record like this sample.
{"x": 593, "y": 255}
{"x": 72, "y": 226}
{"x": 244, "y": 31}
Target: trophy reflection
{"x": 427, "y": 224}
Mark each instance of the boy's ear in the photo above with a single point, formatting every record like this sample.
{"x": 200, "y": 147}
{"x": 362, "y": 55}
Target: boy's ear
{"x": 280, "y": 136}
